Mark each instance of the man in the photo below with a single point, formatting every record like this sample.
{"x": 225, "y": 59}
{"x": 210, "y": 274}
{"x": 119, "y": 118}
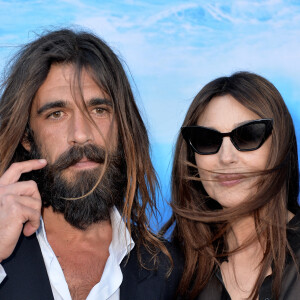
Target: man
{"x": 76, "y": 171}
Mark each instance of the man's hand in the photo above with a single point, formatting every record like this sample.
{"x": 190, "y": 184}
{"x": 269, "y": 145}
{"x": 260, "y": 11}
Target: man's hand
{"x": 20, "y": 203}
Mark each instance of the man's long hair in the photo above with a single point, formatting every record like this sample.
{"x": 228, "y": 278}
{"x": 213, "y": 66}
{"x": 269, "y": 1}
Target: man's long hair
{"x": 201, "y": 225}
{"x": 85, "y": 51}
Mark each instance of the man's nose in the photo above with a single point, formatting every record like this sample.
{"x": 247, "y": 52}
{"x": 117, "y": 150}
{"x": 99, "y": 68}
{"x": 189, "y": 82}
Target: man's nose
{"x": 80, "y": 129}
{"x": 227, "y": 153}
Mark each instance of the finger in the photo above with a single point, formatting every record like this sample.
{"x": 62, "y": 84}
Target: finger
{"x": 14, "y": 172}
{"x": 21, "y": 188}
{"x": 16, "y": 213}
{"x": 31, "y": 219}
{"x": 10, "y": 204}
{"x": 13, "y": 215}
{"x": 31, "y": 227}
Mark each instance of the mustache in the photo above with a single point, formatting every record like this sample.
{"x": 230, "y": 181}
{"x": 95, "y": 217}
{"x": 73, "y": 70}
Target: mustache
{"x": 77, "y": 153}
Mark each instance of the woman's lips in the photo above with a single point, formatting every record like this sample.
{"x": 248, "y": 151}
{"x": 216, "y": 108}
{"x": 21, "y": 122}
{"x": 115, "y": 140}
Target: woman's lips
{"x": 229, "y": 180}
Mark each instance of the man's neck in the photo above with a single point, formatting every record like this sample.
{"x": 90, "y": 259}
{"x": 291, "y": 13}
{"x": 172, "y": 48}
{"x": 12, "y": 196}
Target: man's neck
{"x": 57, "y": 227}
{"x": 82, "y": 254}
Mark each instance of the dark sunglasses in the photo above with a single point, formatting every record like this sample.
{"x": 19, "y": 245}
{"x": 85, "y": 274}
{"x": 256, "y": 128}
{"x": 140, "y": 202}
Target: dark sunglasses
{"x": 247, "y": 137}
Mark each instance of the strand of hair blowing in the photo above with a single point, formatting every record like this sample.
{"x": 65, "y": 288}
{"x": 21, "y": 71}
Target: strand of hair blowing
{"x": 141, "y": 188}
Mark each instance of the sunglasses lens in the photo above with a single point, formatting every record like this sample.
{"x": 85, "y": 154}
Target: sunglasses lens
{"x": 249, "y": 136}
{"x": 204, "y": 140}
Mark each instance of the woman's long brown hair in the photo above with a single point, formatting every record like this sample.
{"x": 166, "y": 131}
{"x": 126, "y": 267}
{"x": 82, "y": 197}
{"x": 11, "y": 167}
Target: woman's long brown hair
{"x": 84, "y": 51}
{"x": 201, "y": 224}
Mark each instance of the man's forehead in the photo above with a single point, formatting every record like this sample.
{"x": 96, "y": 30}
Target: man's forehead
{"x": 62, "y": 84}
{"x": 66, "y": 75}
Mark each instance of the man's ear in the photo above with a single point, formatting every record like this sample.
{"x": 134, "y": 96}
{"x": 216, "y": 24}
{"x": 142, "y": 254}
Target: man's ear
{"x": 26, "y": 140}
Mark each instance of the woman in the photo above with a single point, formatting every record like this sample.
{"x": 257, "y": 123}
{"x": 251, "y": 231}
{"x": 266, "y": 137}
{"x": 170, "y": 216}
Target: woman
{"x": 234, "y": 193}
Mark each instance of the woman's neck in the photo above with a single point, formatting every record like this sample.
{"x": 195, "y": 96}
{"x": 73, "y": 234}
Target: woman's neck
{"x": 241, "y": 270}
{"x": 241, "y": 231}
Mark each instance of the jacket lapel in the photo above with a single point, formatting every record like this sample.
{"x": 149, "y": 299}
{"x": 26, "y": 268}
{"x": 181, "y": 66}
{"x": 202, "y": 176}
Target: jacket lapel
{"x": 133, "y": 275}
{"x": 26, "y": 273}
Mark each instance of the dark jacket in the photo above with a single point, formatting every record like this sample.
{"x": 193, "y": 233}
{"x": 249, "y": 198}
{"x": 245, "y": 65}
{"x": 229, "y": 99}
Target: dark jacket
{"x": 290, "y": 285}
{"x": 27, "y": 278}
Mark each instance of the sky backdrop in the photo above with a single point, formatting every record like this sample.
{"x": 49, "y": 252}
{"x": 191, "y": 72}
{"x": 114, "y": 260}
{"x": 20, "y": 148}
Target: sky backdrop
{"x": 172, "y": 48}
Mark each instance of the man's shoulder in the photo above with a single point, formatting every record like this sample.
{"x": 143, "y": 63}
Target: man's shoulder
{"x": 146, "y": 276}
{"x": 160, "y": 260}
{"x": 26, "y": 270}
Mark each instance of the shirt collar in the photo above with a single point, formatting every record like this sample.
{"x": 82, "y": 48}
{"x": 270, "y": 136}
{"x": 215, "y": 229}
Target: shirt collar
{"x": 121, "y": 243}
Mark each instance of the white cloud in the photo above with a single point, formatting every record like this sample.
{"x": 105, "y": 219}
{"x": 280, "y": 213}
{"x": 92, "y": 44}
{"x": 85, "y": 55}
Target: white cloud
{"x": 166, "y": 13}
{"x": 217, "y": 13}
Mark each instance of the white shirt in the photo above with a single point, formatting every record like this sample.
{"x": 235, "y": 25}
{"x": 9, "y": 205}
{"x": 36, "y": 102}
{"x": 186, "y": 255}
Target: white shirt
{"x": 109, "y": 286}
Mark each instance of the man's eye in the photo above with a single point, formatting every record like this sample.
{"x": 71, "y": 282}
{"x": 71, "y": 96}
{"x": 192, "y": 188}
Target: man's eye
{"x": 55, "y": 115}
{"x": 100, "y": 111}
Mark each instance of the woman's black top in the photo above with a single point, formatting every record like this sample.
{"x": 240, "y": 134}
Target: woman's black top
{"x": 290, "y": 289}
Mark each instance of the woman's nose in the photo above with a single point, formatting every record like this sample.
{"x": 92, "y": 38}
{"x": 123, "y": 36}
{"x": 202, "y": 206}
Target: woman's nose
{"x": 227, "y": 153}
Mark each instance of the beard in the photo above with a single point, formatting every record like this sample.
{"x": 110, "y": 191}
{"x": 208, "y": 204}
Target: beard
{"x": 56, "y": 190}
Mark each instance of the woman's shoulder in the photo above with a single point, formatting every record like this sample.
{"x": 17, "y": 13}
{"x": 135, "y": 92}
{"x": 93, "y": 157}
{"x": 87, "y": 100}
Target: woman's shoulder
{"x": 293, "y": 234}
